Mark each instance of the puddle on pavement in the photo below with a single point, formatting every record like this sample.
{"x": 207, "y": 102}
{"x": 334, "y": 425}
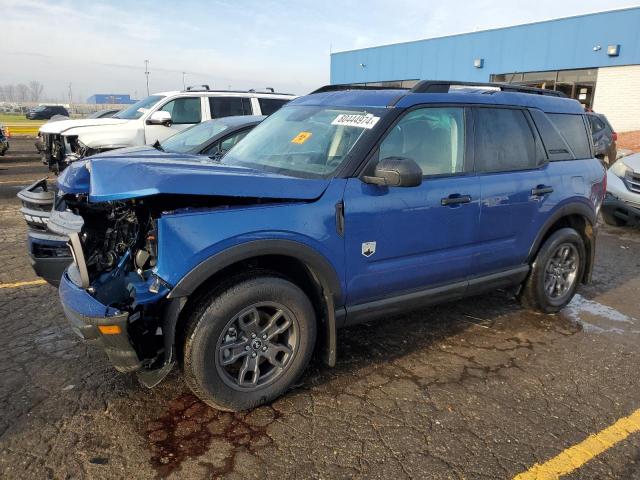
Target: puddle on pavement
{"x": 188, "y": 427}
{"x": 595, "y": 317}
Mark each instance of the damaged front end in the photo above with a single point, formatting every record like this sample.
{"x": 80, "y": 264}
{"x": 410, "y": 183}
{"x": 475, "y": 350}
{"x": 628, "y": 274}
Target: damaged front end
{"x": 59, "y": 151}
{"x": 109, "y": 293}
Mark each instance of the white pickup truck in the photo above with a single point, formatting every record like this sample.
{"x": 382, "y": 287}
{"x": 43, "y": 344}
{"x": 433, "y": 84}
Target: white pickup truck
{"x": 155, "y": 118}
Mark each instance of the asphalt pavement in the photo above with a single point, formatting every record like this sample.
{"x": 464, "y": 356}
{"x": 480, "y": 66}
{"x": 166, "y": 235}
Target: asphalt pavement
{"x": 476, "y": 389}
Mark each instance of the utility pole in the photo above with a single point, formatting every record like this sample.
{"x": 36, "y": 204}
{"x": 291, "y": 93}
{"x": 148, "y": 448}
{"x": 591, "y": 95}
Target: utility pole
{"x": 70, "y": 96}
{"x": 146, "y": 72}
{"x": 184, "y": 84}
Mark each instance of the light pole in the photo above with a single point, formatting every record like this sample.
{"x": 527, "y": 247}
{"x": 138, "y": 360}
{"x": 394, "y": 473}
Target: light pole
{"x": 184, "y": 83}
{"x": 146, "y": 72}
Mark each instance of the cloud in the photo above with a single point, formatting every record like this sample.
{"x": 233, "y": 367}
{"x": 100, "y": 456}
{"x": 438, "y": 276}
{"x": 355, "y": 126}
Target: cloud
{"x": 101, "y": 46}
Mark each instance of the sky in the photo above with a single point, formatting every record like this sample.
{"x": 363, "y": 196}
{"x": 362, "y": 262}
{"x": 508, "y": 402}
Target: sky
{"x": 100, "y": 46}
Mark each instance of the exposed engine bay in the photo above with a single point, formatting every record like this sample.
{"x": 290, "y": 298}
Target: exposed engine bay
{"x": 58, "y": 151}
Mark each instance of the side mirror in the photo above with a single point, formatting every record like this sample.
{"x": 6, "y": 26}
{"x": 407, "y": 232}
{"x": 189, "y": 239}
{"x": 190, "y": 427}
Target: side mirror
{"x": 396, "y": 172}
{"x": 159, "y": 118}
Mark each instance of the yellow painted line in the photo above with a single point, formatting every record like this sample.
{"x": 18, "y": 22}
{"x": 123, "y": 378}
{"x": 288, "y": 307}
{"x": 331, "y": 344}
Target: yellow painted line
{"x": 22, "y": 284}
{"x": 576, "y": 456}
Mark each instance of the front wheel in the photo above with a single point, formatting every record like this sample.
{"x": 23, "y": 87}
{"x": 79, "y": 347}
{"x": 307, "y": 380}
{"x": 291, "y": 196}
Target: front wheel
{"x": 555, "y": 273}
{"x": 249, "y": 344}
{"x": 610, "y": 219}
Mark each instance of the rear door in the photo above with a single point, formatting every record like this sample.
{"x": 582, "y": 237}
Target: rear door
{"x": 515, "y": 187}
{"x": 400, "y": 240}
{"x": 229, "y": 106}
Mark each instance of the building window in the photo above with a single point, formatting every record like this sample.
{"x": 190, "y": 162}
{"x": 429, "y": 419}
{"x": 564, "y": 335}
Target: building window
{"x": 579, "y": 84}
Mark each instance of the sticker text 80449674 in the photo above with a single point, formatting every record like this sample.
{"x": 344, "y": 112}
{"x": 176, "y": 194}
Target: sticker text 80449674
{"x": 360, "y": 120}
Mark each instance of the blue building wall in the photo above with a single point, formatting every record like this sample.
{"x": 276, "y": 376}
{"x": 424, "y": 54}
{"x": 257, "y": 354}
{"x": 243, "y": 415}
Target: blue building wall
{"x": 561, "y": 44}
{"x": 110, "y": 98}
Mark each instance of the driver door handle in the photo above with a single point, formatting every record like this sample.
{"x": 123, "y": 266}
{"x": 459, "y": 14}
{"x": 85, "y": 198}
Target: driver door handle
{"x": 455, "y": 199}
{"x": 541, "y": 190}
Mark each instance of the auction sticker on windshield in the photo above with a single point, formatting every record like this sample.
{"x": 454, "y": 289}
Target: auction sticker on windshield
{"x": 360, "y": 120}
{"x": 301, "y": 137}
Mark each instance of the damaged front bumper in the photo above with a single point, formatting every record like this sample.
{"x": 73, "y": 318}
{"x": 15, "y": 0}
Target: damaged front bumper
{"x": 100, "y": 324}
{"x": 121, "y": 311}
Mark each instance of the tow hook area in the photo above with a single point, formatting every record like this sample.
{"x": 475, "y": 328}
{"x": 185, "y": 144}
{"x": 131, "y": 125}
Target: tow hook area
{"x": 99, "y": 324}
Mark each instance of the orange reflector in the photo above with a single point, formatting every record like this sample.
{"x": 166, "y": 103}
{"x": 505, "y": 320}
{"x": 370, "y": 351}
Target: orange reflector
{"x": 110, "y": 329}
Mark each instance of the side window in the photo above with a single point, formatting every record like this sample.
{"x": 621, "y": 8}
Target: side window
{"x": 432, "y": 137}
{"x": 503, "y": 140}
{"x": 596, "y": 124}
{"x": 572, "y": 129}
{"x": 184, "y": 110}
{"x": 225, "y": 145}
{"x": 270, "y": 105}
{"x": 229, "y": 106}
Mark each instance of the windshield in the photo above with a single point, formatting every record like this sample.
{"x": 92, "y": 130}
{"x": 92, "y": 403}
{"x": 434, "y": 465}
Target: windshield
{"x": 305, "y": 141}
{"x": 138, "y": 109}
{"x": 193, "y": 138}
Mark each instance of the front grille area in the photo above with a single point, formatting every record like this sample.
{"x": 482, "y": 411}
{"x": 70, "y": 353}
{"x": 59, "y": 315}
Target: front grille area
{"x": 632, "y": 181}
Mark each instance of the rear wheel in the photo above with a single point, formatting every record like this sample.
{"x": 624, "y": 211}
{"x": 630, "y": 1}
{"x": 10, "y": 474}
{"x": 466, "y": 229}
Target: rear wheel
{"x": 555, "y": 273}
{"x": 249, "y": 344}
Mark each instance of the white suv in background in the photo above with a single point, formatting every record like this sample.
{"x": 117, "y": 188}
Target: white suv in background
{"x": 621, "y": 205}
{"x": 150, "y": 120}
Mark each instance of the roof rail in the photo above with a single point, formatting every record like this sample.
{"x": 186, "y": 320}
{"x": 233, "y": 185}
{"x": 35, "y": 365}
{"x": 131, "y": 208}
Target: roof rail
{"x": 442, "y": 86}
{"x": 346, "y": 86}
{"x": 205, "y": 88}
{"x": 198, "y": 88}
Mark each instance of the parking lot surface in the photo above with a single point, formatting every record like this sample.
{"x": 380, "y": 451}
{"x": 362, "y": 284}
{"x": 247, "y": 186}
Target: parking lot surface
{"x": 478, "y": 389}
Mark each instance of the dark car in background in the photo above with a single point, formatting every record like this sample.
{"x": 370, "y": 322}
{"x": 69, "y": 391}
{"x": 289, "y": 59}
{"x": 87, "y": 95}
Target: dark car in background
{"x": 45, "y": 112}
{"x": 207, "y": 141}
{"x": 106, "y": 113}
{"x": 604, "y": 138}
{"x": 4, "y": 141}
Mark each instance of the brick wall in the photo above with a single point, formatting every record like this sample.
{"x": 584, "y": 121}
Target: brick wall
{"x": 629, "y": 141}
{"x": 618, "y": 96}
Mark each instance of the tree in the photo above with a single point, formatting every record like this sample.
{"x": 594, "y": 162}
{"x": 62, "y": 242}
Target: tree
{"x": 22, "y": 92}
{"x": 9, "y": 93}
{"x": 36, "y": 89}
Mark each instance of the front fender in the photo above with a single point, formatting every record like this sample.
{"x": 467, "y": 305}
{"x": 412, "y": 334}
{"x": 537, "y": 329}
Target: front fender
{"x": 195, "y": 244}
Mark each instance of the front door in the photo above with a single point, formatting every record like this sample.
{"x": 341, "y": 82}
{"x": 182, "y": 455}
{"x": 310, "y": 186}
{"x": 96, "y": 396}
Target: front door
{"x": 185, "y": 112}
{"x": 405, "y": 239}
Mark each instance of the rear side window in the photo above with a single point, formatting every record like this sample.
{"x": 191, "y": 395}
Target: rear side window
{"x": 229, "y": 106}
{"x": 270, "y": 105}
{"x": 573, "y": 130}
{"x": 596, "y": 124}
{"x": 503, "y": 140}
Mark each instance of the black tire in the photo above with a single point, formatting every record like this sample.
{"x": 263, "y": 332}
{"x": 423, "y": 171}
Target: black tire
{"x": 221, "y": 322}
{"x": 534, "y": 294}
{"x": 612, "y": 220}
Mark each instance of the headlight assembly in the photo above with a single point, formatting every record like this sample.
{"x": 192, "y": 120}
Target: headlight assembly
{"x": 619, "y": 169}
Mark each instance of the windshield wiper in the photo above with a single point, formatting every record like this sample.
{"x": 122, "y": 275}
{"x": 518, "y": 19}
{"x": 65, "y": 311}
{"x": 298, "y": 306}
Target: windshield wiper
{"x": 157, "y": 146}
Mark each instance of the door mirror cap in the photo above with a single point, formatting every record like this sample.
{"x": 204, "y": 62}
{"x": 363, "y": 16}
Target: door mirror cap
{"x": 396, "y": 172}
{"x": 159, "y": 118}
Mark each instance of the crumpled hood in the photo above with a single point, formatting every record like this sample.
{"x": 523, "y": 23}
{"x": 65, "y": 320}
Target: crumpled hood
{"x": 113, "y": 177}
{"x": 64, "y": 125}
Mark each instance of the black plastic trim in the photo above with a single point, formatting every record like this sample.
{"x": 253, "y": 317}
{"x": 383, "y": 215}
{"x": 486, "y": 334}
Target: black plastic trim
{"x": 317, "y": 263}
{"x": 403, "y": 303}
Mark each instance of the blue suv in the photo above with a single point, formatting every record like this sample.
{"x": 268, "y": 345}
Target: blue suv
{"x": 347, "y": 204}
